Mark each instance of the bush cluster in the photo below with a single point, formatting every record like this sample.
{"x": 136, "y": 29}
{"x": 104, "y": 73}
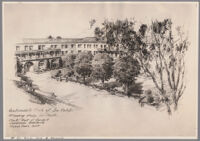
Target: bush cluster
{"x": 86, "y": 68}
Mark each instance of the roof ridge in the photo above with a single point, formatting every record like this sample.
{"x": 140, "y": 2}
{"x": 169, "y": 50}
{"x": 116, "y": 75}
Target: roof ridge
{"x": 61, "y": 40}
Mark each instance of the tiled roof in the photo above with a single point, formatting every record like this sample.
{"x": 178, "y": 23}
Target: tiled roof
{"x": 60, "y": 40}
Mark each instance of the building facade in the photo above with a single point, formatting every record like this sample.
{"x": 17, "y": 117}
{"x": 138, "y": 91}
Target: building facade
{"x": 49, "y": 51}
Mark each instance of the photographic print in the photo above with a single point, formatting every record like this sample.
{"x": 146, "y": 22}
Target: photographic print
{"x": 100, "y": 69}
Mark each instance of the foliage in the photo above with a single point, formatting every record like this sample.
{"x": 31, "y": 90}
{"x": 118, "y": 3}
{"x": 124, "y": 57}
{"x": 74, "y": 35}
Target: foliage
{"x": 58, "y": 37}
{"x": 69, "y": 63}
{"x": 19, "y": 66}
{"x": 119, "y": 32}
{"x": 48, "y": 65}
{"x": 159, "y": 52}
{"x": 111, "y": 85}
{"x": 162, "y": 58}
{"x": 60, "y": 62}
{"x": 55, "y": 73}
{"x": 50, "y": 37}
{"x": 121, "y": 35}
{"x": 102, "y": 67}
{"x": 83, "y": 65}
{"x": 126, "y": 68}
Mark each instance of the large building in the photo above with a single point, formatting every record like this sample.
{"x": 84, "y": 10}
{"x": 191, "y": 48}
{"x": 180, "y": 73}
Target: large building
{"x": 46, "y": 51}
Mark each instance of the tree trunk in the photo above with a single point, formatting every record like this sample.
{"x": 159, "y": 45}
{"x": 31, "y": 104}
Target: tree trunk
{"x": 168, "y": 108}
{"x": 127, "y": 90}
{"x": 166, "y": 101}
{"x": 175, "y": 105}
{"x": 84, "y": 79}
{"x": 175, "y": 100}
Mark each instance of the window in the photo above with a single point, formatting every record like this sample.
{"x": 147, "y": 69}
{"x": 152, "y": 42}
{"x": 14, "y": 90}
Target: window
{"x": 30, "y": 47}
{"x": 89, "y": 45}
{"x": 51, "y": 53}
{"x": 38, "y": 55}
{"x": 53, "y": 46}
{"x": 65, "y": 46}
{"x": 72, "y": 45}
{"x": 79, "y": 45}
{"x": 17, "y": 47}
{"x": 79, "y": 51}
{"x": 66, "y": 52}
{"x": 39, "y": 47}
{"x": 43, "y": 47}
{"x": 26, "y": 48}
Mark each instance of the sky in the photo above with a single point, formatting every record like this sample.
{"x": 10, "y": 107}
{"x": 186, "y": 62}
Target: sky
{"x": 38, "y": 20}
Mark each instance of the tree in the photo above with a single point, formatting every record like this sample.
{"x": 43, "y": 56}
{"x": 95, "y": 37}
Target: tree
{"x": 58, "y": 37}
{"x": 159, "y": 53}
{"x": 69, "y": 63}
{"x": 19, "y": 66}
{"x": 118, "y": 33}
{"x": 92, "y": 22}
{"x": 126, "y": 68}
{"x": 120, "y": 36}
{"x": 50, "y": 37}
{"x": 48, "y": 65}
{"x": 162, "y": 58}
{"x": 60, "y": 63}
{"x": 102, "y": 67}
{"x": 83, "y": 65}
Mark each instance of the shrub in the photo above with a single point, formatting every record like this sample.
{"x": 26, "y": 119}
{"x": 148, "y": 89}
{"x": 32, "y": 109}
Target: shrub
{"x": 126, "y": 68}
{"x": 102, "y": 67}
{"x": 83, "y": 67}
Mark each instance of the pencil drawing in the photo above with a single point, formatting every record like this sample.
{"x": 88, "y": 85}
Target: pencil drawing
{"x": 100, "y": 70}
{"x": 112, "y": 60}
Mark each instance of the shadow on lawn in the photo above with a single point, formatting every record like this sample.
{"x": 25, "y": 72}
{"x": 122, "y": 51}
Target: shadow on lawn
{"x": 136, "y": 88}
{"x": 40, "y": 97}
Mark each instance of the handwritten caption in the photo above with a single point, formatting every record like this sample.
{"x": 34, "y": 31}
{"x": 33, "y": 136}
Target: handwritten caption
{"x": 30, "y": 118}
